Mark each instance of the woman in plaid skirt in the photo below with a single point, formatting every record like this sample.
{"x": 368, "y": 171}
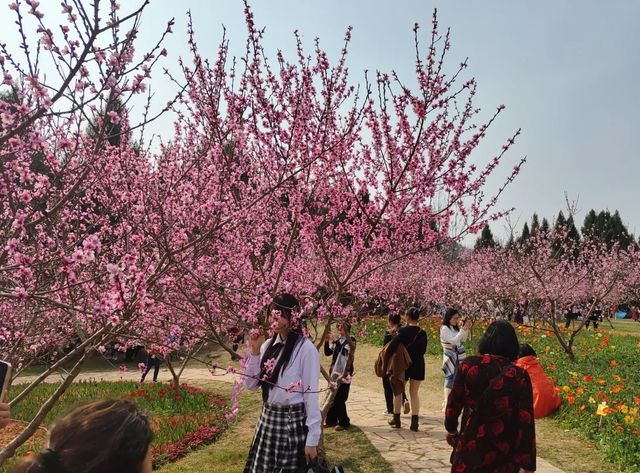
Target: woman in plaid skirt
{"x": 287, "y": 368}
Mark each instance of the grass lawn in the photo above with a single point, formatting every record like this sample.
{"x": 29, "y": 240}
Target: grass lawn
{"x": 625, "y": 326}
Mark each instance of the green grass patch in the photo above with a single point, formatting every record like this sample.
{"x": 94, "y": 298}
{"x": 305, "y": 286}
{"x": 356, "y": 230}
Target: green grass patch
{"x": 182, "y": 418}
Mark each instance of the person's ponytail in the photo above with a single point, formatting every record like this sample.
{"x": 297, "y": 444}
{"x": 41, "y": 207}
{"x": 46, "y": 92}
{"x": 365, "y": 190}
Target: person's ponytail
{"x": 47, "y": 461}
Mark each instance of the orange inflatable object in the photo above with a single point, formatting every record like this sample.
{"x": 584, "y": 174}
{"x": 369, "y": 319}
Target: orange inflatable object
{"x": 545, "y": 398}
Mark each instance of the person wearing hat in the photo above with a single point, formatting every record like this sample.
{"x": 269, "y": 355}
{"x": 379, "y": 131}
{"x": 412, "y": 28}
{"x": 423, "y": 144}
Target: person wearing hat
{"x": 339, "y": 350}
{"x": 287, "y": 369}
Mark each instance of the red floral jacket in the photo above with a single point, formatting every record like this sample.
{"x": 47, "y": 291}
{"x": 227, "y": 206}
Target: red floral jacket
{"x": 502, "y": 439}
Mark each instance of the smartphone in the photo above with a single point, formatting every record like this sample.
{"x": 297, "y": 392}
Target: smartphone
{"x": 5, "y": 380}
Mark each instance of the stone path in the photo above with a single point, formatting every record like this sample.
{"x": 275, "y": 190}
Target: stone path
{"x": 425, "y": 451}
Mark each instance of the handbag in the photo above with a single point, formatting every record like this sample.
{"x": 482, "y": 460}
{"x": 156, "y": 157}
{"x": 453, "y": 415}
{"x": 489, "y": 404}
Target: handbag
{"x": 321, "y": 466}
{"x": 380, "y": 363}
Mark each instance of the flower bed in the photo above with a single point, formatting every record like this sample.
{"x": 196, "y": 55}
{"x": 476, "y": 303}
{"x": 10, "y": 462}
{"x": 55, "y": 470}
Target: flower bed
{"x": 600, "y": 391}
{"x": 182, "y": 419}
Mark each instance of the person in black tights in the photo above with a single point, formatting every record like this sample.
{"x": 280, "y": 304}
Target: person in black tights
{"x": 415, "y": 341}
{"x": 394, "y": 323}
{"x": 153, "y": 361}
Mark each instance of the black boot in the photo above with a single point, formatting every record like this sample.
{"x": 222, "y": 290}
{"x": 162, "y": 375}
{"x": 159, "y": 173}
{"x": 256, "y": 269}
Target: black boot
{"x": 395, "y": 422}
{"x": 414, "y": 423}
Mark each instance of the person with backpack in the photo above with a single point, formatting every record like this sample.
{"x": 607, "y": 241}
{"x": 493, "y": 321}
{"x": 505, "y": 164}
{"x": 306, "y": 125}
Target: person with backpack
{"x": 414, "y": 340}
{"x": 394, "y": 324}
{"x": 545, "y": 397}
{"x": 497, "y": 430}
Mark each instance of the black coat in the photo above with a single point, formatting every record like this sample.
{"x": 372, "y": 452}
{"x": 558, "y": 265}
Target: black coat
{"x": 415, "y": 341}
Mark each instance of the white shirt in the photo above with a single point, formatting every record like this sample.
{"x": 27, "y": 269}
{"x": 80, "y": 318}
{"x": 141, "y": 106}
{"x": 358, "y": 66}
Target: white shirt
{"x": 453, "y": 336}
{"x": 303, "y": 366}
{"x": 340, "y": 365}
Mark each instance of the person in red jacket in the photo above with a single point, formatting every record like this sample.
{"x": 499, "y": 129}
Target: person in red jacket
{"x": 545, "y": 398}
{"x": 497, "y": 430}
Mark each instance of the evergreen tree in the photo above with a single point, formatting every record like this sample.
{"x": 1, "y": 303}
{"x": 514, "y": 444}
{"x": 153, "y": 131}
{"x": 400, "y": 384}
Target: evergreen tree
{"x": 525, "y": 233}
{"x": 535, "y": 224}
{"x": 561, "y": 222}
{"x": 607, "y": 228}
{"x": 572, "y": 231}
{"x": 510, "y": 242}
{"x": 545, "y": 226}
{"x": 486, "y": 239}
{"x": 112, "y": 132}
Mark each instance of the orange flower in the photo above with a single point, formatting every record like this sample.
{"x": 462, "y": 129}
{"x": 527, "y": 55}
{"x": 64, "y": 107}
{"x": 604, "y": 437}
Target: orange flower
{"x": 605, "y": 341}
{"x": 636, "y": 399}
{"x": 617, "y": 389}
{"x": 587, "y": 378}
{"x": 613, "y": 363}
{"x": 579, "y": 390}
{"x": 601, "y": 382}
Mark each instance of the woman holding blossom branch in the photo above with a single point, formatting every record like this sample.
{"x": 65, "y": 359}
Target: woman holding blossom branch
{"x": 287, "y": 368}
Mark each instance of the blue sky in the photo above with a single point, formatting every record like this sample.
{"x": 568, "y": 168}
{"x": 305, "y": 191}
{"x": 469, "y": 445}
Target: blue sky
{"x": 568, "y": 72}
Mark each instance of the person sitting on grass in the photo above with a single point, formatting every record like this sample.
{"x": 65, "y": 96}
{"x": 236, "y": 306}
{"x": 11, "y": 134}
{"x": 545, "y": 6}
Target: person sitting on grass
{"x": 99, "y": 437}
{"x": 545, "y": 398}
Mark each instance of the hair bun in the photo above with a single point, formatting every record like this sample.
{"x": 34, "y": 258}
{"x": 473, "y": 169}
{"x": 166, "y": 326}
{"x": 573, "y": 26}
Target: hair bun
{"x": 50, "y": 460}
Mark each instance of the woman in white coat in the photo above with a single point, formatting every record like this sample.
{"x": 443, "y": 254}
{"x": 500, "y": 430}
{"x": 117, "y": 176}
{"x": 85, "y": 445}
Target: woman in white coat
{"x": 452, "y": 336}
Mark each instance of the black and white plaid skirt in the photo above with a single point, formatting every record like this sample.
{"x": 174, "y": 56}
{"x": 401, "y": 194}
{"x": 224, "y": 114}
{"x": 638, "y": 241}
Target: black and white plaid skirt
{"x": 278, "y": 444}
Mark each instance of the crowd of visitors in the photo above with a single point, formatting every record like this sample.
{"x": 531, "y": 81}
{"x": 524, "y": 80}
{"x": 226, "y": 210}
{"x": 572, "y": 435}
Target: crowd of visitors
{"x": 490, "y": 400}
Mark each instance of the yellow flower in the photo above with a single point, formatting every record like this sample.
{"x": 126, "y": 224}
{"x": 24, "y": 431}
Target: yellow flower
{"x": 628, "y": 419}
{"x": 592, "y": 400}
{"x": 633, "y": 411}
{"x": 573, "y": 373}
{"x": 624, "y": 408}
{"x": 602, "y": 409}
{"x": 566, "y": 389}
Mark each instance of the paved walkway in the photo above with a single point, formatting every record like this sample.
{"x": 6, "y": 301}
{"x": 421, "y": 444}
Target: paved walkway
{"x": 425, "y": 451}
